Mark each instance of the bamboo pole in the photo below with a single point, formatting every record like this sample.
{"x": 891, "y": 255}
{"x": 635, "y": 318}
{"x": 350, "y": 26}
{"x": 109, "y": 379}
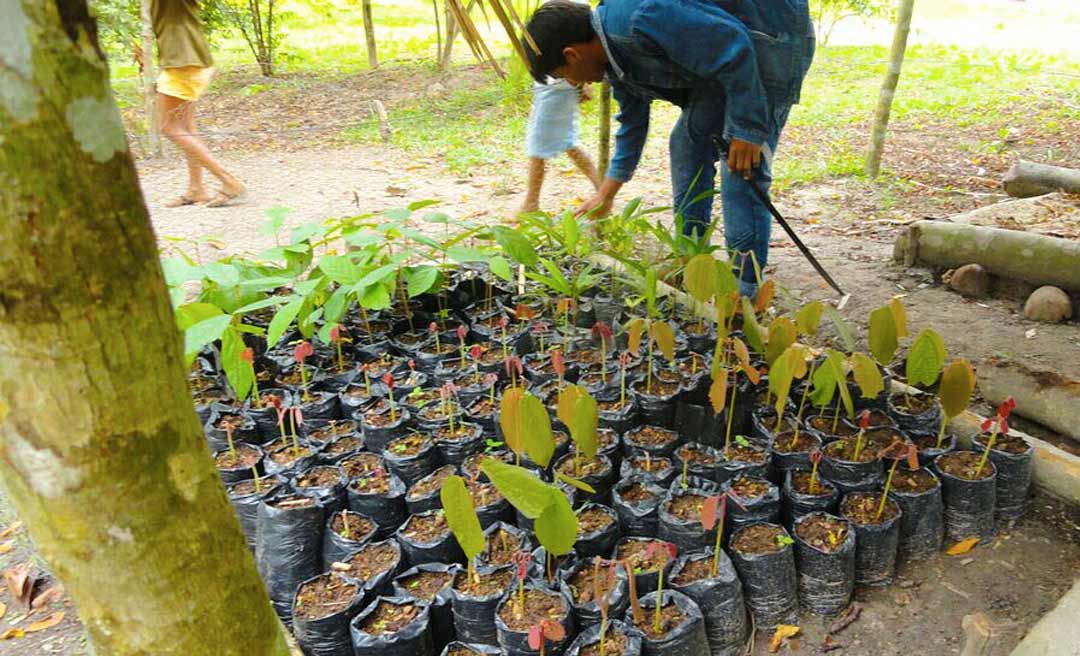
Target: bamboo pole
{"x": 888, "y": 88}
{"x": 604, "y": 156}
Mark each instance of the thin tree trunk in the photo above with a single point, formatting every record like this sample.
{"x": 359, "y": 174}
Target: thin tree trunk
{"x": 604, "y": 156}
{"x": 153, "y": 134}
{"x": 369, "y": 35}
{"x": 888, "y": 88}
{"x": 102, "y": 454}
{"x": 447, "y": 53}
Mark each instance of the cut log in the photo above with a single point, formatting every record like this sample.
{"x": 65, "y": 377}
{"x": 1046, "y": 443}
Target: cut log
{"x": 1037, "y": 259}
{"x": 977, "y": 635}
{"x": 1027, "y": 179}
{"x": 1046, "y": 397}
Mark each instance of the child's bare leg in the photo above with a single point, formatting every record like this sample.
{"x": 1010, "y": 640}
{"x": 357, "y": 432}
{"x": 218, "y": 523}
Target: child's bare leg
{"x": 535, "y": 182}
{"x": 179, "y": 127}
{"x": 585, "y": 165}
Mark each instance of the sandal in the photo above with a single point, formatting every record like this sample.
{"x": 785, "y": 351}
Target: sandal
{"x": 182, "y": 201}
{"x": 226, "y": 199}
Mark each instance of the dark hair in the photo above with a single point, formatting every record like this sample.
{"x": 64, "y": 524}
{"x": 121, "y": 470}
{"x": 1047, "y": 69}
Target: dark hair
{"x": 554, "y": 26}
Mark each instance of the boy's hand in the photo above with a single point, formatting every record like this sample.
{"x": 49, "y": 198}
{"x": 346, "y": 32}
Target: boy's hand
{"x": 600, "y": 204}
{"x": 743, "y": 158}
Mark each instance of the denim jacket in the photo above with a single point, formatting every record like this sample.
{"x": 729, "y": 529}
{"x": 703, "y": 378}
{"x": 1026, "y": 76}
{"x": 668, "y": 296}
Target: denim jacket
{"x": 748, "y": 56}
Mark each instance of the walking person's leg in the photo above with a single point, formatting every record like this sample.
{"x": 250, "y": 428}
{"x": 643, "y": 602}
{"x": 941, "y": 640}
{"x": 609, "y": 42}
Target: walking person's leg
{"x": 585, "y": 164}
{"x": 534, "y": 183}
{"x": 693, "y": 174}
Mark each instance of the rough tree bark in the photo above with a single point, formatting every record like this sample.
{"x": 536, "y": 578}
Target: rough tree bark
{"x": 1027, "y": 179}
{"x": 888, "y": 88}
{"x": 100, "y": 450}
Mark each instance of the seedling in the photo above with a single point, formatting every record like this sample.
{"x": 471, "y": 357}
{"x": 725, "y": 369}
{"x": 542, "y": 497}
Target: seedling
{"x": 713, "y": 513}
{"x": 248, "y": 356}
{"x": 521, "y": 560}
{"x": 659, "y": 335}
{"x": 296, "y": 419}
{"x": 602, "y": 587}
{"x": 624, "y": 362}
{"x": 448, "y": 393}
{"x": 997, "y": 425}
{"x": 957, "y": 385}
{"x": 460, "y": 512}
{"x": 475, "y": 351}
{"x": 281, "y": 410}
{"x": 602, "y": 331}
{"x": 337, "y": 338}
{"x": 367, "y": 379}
{"x": 302, "y": 351}
{"x": 635, "y": 604}
{"x": 345, "y": 524}
{"x": 815, "y": 460}
{"x": 540, "y": 329}
{"x": 491, "y": 379}
{"x": 388, "y": 380}
{"x": 558, "y": 364}
{"x": 514, "y": 369}
{"x": 783, "y": 540}
{"x": 544, "y": 630}
{"x": 662, "y": 551}
{"x": 860, "y": 439}
{"x": 897, "y": 451}
{"x": 255, "y": 479}
{"x": 229, "y": 439}
{"x": 433, "y": 328}
{"x": 462, "y": 333}
{"x": 503, "y": 322}
{"x": 580, "y": 413}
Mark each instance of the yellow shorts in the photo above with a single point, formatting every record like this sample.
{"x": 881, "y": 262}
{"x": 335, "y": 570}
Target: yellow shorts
{"x": 184, "y": 82}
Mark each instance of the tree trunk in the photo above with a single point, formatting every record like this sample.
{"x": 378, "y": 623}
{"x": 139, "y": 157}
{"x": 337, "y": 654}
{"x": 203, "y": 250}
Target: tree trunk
{"x": 153, "y": 134}
{"x": 1046, "y": 397}
{"x": 369, "y": 35}
{"x": 604, "y": 156}
{"x": 447, "y": 52}
{"x": 102, "y": 453}
{"x": 888, "y": 88}
{"x": 1027, "y": 179}
{"x": 1037, "y": 259}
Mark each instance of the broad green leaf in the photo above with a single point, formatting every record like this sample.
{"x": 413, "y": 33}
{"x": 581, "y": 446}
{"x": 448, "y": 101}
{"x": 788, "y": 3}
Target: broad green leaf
{"x": 375, "y": 297}
{"x": 516, "y": 245}
{"x": 177, "y": 271}
{"x": 782, "y": 334}
{"x": 536, "y": 430}
{"x": 500, "y": 267}
{"x": 203, "y": 333}
{"x": 700, "y": 277}
{"x": 925, "y": 358}
{"x": 957, "y": 386}
{"x": 751, "y": 328}
{"x": 283, "y": 318}
{"x": 270, "y": 301}
{"x": 726, "y": 283}
{"x": 308, "y": 321}
{"x": 192, "y": 313}
{"x": 899, "y": 316}
{"x": 580, "y": 413}
{"x": 570, "y": 480}
{"x": 379, "y": 274}
{"x": 867, "y": 375}
{"x": 420, "y": 280}
{"x": 305, "y": 232}
{"x": 464, "y": 254}
{"x": 843, "y": 328}
{"x": 808, "y": 318}
{"x": 461, "y": 516}
{"x": 340, "y": 269}
{"x": 665, "y": 338}
{"x": 882, "y": 335}
{"x": 765, "y": 294}
{"x": 781, "y": 374}
{"x": 334, "y": 308}
{"x": 232, "y": 361}
{"x": 571, "y": 232}
{"x": 418, "y": 205}
{"x": 557, "y": 527}
{"x": 824, "y": 379}
{"x": 275, "y": 219}
{"x": 835, "y": 361}
{"x": 221, "y": 273}
{"x": 510, "y": 419}
{"x": 522, "y": 488}
{"x": 650, "y": 291}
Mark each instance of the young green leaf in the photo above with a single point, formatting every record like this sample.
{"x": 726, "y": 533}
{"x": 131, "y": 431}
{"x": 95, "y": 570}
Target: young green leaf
{"x": 461, "y": 516}
{"x": 808, "y": 318}
{"x": 536, "y": 430}
{"x": 570, "y": 480}
{"x": 782, "y": 334}
{"x": 957, "y": 386}
{"x": 882, "y": 335}
{"x": 925, "y": 358}
{"x": 516, "y": 245}
{"x": 665, "y": 338}
{"x": 204, "y": 332}
{"x": 899, "y": 316}
{"x": 375, "y": 297}
{"x": 500, "y": 267}
{"x": 635, "y": 329}
{"x": 522, "y": 488}
{"x": 557, "y": 527}
{"x": 420, "y": 280}
{"x": 510, "y": 419}
{"x": 571, "y": 232}
{"x": 835, "y": 361}
{"x": 824, "y": 379}
{"x": 867, "y": 375}
{"x": 751, "y": 328}
{"x": 843, "y": 328}
{"x": 781, "y": 375}
{"x": 580, "y": 413}
{"x": 765, "y": 294}
{"x": 236, "y": 369}
{"x": 700, "y": 277}
{"x": 726, "y": 282}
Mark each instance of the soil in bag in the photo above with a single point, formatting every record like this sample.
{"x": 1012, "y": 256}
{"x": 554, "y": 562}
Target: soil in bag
{"x": 518, "y": 612}
{"x": 680, "y": 519}
{"x": 840, "y": 467}
{"x": 325, "y": 483}
{"x": 598, "y": 530}
{"x": 423, "y": 495}
{"x": 759, "y": 501}
{"x": 431, "y": 584}
{"x": 458, "y": 648}
{"x": 340, "y": 448}
{"x": 223, "y": 421}
{"x": 716, "y": 589}
{"x": 591, "y": 583}
{"x": 455, "y": 446}
{"x": 645, "y": 560}
{"x": 380, "y": 496}
{"x": 764, "y": 558}
{"x": 678, "y": 630}
{"x": 695, "y": 459}
{"x": 792, "y": 450}
{"x": 636, "y": 502}
{"x": 345, "y": 532}
{"x": 322, "y": 610}
{"x": 929, "y": 449}
{"x": 969, "y": 494}
{"x": 597, "y": 472}
{"x": 617, "y": 413}
{"x": 380, "y": 428}
{"x": 473, "y": 601}
{"x": 411, "y": 457}
{"x": 877, "y": 537}
{"x": 916, "y": 414}
{"x": 239, "y": 464}
{"x": 742, "y": 458}
{"x": 658, "y": 470}
{"x": 491, "y": 505}
{"x": 654, "y": 440}
{"x": 330, "y": 431}
{"x": 426, "y": 538}
{"x": 620, "y": 639}
{"x": 287, "y": 456}
{"x": 825, "y": 560}
{"x": 922, "y": 520}
{"x": 393, "y": 626}
{"x": 288, "y": 545}
{"x": 373, "y": 566}
{"x": 801, "y": 498}
{"x": 1013, "y": 458}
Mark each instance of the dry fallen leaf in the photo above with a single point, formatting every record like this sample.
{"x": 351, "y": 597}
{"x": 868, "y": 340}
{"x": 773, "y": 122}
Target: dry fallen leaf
{"x": 3, "y": 609}
{"x": 7, "y": 546}
{"x": 11, "y": 530}
{"x": 783, "y": 632}
{"x": 961, "y": 548}
{"x": 20, "y": 583}
{"x": 43, "y": 600}
{"x": 47, "y": 623}
{"x": 12, "y": 634}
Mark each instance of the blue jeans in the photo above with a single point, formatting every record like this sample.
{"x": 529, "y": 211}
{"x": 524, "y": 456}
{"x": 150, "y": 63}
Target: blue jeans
{"x": 747, "y": 222}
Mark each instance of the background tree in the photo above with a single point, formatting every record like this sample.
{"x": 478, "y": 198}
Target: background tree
{"x": 827, "y": 13}
{"x": 888, "y": 88}
{"x": 102, "y": 454}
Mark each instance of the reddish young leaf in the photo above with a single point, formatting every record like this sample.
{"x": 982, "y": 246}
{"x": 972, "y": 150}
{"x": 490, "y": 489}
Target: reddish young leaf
{"x": 433, "y": 327}
{"x": 558, "y": 363}
{"x": 864, "y": 419}
{"x": 815, "y": 457}
{"x": 1006, "y": 408}
{"x": 553, "y": 630}
{"x": 302, "y": 351}
{"x": 248, "y": 355}
{"x": 986, "y": 425}
{"x": 523, "y": 312}
{"x": 388, "y": 380}
{"x": 474, "y": 351}
{"x": 536, "y": 637}
{"x": 335, "y": 332}
{"x": 412, "y": 364}
{"x": 462, "y": 333}
{"x": 912, "y": 457}
{"x": 709, "y": 511}
{"x": 503, "y": 321}
{"x": 513, "y": 364}
{"x": 298, "y": 415}
{"x": 602, "y": 332}
{"x": 624, "y": 359}
{"x": 490, "y": 379}
{"x": 1004, "y": 426}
